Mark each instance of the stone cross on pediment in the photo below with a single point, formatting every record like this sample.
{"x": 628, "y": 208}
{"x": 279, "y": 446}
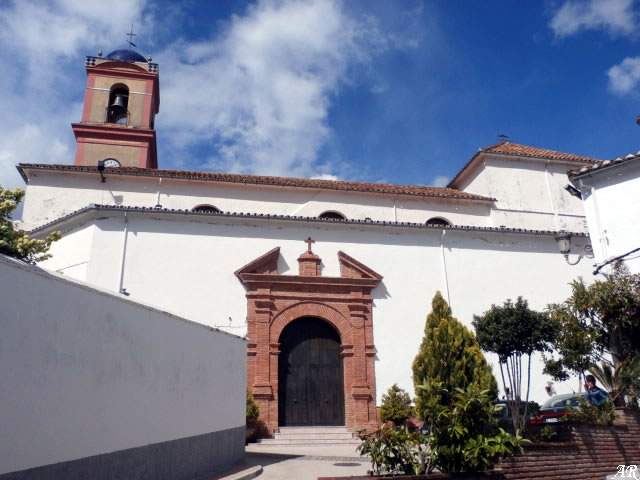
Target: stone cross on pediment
{"x": 309, "y": 241}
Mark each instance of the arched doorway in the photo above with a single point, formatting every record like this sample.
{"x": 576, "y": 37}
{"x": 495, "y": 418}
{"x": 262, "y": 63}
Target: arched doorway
{"x": 311, "y": 384}
{"x": 342, "y": 304}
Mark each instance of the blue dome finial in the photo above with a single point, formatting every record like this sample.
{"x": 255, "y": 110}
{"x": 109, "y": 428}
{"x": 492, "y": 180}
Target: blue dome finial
{"x": 126, "y": 55}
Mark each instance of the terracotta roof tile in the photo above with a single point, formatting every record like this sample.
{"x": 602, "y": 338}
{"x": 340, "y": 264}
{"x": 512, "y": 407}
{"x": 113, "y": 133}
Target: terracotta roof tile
{"x": 519, "y": 150}
{"x": 509, "y": 148}
{"x": 365, "y": 187}
{"x": 601, "y": 164}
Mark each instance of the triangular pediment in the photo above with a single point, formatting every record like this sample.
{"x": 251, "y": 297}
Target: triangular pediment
{"x": 265, "y": 268}
{"x": 264, "y": 264}
{"x": 352, "y": 268}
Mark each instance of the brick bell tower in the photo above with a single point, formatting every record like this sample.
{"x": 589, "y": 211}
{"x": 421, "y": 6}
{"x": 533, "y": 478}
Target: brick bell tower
{"x": 121, "y": 101}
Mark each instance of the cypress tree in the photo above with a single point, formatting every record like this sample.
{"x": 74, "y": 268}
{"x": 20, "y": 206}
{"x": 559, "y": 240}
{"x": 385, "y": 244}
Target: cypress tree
{"x": 449, "y": 358}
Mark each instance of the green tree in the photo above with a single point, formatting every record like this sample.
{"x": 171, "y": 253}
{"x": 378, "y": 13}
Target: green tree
{"x": 18, "y": 243}
{"x": 597, "y": 323}
{"x": 513, "y": 331}
{"x": 396, "y": 406}
{"x": 449, "y": 358}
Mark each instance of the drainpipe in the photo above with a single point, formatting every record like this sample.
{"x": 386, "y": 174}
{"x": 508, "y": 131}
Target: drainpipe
{"x": 395, "y": 211}
{"x": 158, "y": 196}
{"x": 556, "y": 221}
{"x": 121, "y": 288}
{"x": 444, "y": 268}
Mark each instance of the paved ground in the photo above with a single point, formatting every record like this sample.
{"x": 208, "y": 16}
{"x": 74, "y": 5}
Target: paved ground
{"x": 305, "y": 463}
{"x": 342, "y": 451}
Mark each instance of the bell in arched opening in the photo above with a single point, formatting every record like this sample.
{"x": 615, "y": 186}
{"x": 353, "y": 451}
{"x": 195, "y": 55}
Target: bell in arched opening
{"x": 118, "y": 102}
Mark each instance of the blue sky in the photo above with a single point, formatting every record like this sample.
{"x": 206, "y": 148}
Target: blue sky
{"x": 396, "y": 91}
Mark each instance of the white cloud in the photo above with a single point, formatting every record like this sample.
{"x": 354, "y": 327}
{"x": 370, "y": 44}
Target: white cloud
{"x": 260, "y": 92}
{"x": 325, "y": 176}
{"x": 255, "y": 97}
{"x": 43, "y": 48}
{"x": 615, "y": 16}
{"x": 625, "y": 76}
{"x": 440, "y": 181}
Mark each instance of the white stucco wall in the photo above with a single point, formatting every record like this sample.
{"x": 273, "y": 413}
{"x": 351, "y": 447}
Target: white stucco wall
{"x": 51, "y": 195}
{"x": 529, "y": 192}
{"x": 85, "y": 372}
{"x": 612, "y": 206}
{"x": 187, "y": 264}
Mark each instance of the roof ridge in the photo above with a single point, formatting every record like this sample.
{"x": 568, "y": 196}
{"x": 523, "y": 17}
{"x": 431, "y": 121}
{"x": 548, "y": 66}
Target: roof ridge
{"x": 274, "y": 180}
{"x": 509, "y": 148}
{"x": 535, "y": 150}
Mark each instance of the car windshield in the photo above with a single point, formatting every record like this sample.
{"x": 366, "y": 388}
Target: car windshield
{"x": 563, "y": 401}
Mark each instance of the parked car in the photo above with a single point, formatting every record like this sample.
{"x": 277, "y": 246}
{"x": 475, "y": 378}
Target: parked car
{"x": 503, "y": 413}
{"x": 557, "y": 407}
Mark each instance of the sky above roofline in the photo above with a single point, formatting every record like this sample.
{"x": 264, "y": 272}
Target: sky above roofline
{"x": 398, "y": 92}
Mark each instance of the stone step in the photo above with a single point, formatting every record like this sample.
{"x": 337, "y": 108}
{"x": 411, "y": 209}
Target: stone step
{"x": 336, "y": 429}
{"x": 338, "y": 435}
{"x": 318, "y": 435}
{"x": 309, "y": 441}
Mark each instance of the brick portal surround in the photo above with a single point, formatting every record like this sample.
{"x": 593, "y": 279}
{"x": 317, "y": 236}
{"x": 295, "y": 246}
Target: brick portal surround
{"x": 274, "y": 301}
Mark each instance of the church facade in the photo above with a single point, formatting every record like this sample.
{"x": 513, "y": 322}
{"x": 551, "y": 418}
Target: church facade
{"x": 330, "y": 281}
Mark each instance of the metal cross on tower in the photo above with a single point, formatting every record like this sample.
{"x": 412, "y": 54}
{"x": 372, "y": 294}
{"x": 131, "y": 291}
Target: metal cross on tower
{"x": 309, "y": 242}
{"x": 131, "y": 35}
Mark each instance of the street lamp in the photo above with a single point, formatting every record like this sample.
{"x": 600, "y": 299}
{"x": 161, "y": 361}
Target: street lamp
{"x": 564, "y": 245}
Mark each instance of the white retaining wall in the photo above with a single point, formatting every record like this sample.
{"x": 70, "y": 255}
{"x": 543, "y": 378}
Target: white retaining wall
{"x": 85, "y": 372}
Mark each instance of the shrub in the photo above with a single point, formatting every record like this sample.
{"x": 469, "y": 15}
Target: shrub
{"x": 253, "y": 411}
{"x": 463, "y": 435}
{"x": 589, "y": 414}
{"x": 548, "y": 433}
{"x": 396, "y": 406}
{"x": 256, "y": 428}
{"x": 396, "y": 450}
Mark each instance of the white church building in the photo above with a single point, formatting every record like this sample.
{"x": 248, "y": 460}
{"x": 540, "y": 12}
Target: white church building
{"x": 331, "y": 281}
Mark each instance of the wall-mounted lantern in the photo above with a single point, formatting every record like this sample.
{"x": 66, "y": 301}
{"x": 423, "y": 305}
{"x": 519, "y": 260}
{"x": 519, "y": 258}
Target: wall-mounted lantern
{"x": 564, "y": 245}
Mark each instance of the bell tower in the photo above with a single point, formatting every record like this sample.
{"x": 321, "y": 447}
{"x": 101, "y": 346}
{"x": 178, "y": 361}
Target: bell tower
{"x": 121, "y": 101}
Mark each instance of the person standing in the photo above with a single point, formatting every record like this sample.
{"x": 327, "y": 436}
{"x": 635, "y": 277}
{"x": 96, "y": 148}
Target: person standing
{"x": 594, "y": 394}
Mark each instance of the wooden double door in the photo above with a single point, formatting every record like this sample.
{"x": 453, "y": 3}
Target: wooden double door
{"x": 310, "y": 375}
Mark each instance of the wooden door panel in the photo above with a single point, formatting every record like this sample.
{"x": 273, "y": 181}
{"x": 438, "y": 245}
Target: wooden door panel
{"x": 310, "y": 375}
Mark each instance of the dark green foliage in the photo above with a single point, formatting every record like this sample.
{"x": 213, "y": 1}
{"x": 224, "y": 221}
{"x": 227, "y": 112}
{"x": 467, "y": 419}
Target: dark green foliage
{"x": 463, "y": 435}
{"x": 17, "y": 243}
{"x": 512, "y": 331}
{"x": 449, "y": 358}
{"x": 253, "y": 411}
{"x": 621, "y": 380}
{"x": 256, "y": 428}
{"x": 590, "y": 414}
{"x": 548, "y": 434}
{"x": 597, "y": 320}
{"x": 396, "y": 451}
{"x": 455, "y": 393}
{"x": 396, "y": 406}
